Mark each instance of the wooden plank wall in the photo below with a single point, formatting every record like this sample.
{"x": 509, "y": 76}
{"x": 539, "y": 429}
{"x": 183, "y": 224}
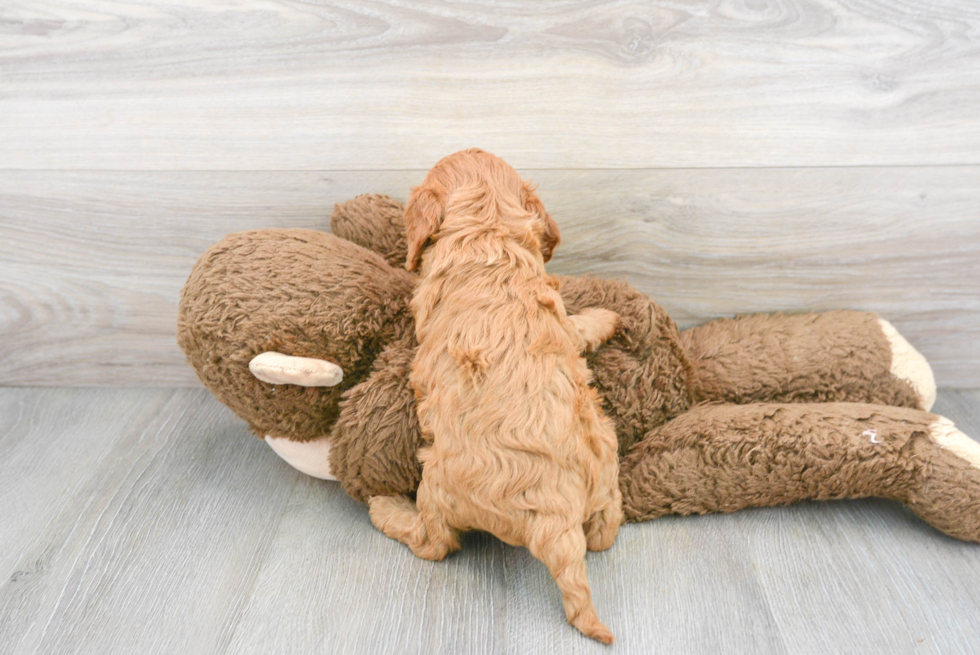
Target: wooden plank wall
{"x": 723, "y": 155}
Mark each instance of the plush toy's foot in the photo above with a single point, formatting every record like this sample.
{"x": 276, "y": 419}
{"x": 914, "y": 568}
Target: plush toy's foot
{"x": 947, "y": 495}
{"x": 721, "y": 458}
{"x": 309, "y": 457}
{"x": 909, "y": 365}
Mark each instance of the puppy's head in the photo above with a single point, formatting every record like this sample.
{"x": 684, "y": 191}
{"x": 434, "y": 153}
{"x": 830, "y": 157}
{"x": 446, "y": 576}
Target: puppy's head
{"x": 475, "y": 178}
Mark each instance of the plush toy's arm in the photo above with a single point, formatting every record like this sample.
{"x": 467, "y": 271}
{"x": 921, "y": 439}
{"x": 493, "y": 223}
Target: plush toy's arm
{"x": 721, "y": 458}
{"x": 377, "y": 435}
{"x": 841, "y": 356}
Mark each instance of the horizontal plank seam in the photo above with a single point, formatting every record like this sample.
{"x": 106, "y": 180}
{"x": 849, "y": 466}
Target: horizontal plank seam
{"x": 422, "y": 170}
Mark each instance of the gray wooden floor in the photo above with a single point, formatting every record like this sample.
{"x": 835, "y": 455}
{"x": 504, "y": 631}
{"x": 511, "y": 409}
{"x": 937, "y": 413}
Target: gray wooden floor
{"x": 149, "y": 521}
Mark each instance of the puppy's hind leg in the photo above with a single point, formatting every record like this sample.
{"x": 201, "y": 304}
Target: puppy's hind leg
{"x": 422, "y": 528}
{"x": 595, "y": 326}
{"x": 562, "y": 549}
{"x": 396, "y": 516}
{"x": 603, "y": 526}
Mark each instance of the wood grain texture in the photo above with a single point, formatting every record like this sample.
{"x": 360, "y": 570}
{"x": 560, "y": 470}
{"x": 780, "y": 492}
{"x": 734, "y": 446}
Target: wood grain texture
{"x": 150, "y": 521}
{"x": 352, "y": 594}
{"x": 134, "y": 521}
{"x": 91, "y": 263}
{"x": 363, "y": 85}
{"x": 815, "y": 555}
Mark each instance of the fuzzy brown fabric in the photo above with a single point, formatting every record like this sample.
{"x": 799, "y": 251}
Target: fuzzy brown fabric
{"x": 945, "y": 492}
{"x": 374, "y": 222}
{"x": 643, "y": 373}
{"x": 315, "y": 295}
{"x": 722, "y": 458}
{"x": 373, "y": 450}
{"x": 804, "y": 358}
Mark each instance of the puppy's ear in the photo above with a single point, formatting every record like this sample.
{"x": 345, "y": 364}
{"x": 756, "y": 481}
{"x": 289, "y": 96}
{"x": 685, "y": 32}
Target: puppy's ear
{"x": 423, "y": 216}
{"x": 550, "y": 235}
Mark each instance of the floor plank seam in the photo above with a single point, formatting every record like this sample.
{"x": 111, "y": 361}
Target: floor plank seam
{"x": 256, "y": 570}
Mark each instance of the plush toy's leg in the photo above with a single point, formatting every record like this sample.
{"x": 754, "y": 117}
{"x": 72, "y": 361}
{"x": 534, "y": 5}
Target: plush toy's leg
{"x": 838, "y": 356}
{"x": 309, "y": 457}
{"x": 721, "y": 458}
{"x": 948, "y": 493}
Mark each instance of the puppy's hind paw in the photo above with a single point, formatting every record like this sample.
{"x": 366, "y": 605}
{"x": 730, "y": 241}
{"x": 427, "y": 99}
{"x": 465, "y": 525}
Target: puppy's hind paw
{"x": 393, "y": 515}
{"x": 602, "y": 528}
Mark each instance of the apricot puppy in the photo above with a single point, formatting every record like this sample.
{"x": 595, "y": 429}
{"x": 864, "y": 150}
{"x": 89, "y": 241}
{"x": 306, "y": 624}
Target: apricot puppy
{"x": 518, "y": 446}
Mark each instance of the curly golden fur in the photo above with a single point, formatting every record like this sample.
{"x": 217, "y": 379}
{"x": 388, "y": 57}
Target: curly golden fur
{"x": 518, "y": 446}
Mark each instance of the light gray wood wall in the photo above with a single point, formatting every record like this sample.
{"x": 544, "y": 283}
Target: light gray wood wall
{"x": 723, "y": 156}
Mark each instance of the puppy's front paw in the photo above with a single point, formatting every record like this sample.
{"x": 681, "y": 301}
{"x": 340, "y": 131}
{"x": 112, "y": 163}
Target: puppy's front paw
{"x": 607, "y": 322}
{"x": 595, "y": 327}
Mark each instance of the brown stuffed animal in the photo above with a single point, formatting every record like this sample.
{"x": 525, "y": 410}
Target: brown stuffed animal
{"x": 309, "y": 338}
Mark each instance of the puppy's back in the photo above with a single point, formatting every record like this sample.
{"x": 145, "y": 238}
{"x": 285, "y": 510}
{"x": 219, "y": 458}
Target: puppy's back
{"x": 506, "y": 399}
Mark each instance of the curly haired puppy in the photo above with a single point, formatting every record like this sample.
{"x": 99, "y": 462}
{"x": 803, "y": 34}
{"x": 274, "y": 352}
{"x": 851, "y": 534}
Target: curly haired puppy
{"x": 519, "y": 447}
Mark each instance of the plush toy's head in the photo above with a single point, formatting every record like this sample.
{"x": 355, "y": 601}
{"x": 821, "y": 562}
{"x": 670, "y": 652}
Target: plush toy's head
{"x": 298, "y": 292}
{"x": 340, "y": 297}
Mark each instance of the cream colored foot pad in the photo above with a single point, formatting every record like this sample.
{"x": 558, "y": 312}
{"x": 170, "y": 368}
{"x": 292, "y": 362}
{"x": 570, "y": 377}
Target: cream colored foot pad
{"x": 908, "y": 364}
{"x": 944, "y": 433}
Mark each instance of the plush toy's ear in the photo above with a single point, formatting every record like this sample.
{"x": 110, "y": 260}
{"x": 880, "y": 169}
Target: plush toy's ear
{"x": 550, "y": 235}
{"x": 423, "y": 216}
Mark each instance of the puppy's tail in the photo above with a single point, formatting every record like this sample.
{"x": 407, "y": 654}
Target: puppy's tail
{"x": 562, "y": 549}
